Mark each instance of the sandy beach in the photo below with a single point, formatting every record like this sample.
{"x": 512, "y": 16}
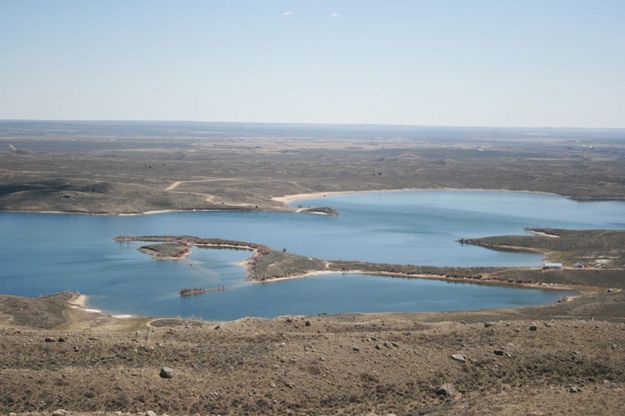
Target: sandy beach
{"x": 543, "y": 234}
{"x": 463, "y": 165}
{"x": 287, "y": 199}
{"x": 79, "y": 300}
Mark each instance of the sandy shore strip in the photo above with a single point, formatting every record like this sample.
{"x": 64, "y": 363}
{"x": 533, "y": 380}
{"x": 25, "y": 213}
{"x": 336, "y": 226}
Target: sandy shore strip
{"x": 543, "y": 234}
{"x": 242, "y": 207}
{"x": 286, "y": 199}
{"x": 439, "y": 277}
{"x": 89, "y": 310}
{"x": 80, "y": 302}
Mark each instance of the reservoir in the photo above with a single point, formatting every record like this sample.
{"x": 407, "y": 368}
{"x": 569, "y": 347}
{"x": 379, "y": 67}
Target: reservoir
{"x": 47, "y": 253}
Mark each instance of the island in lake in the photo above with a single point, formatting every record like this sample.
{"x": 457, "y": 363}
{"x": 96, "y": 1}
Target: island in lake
{"x": 68, "y": 351}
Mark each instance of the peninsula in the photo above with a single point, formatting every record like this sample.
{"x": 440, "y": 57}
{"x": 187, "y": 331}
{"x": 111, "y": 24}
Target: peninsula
{"x": 546, "y": 357}
{"x": 602, "y": 253}
{"x": 561, "y": 358}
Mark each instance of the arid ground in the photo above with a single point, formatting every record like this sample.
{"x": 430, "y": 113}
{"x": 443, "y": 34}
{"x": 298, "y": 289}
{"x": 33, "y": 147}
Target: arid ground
{"x": 567, "y": 358}
{"x": 560, "y": 359}
{"x": 136, "y": 167}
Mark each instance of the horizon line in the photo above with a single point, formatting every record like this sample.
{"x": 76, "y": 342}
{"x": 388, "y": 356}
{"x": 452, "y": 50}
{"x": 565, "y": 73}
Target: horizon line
{"x": 308, "y": 123}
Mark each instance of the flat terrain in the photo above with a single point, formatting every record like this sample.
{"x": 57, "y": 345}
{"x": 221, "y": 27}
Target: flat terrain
{"x": 561, "y": 359}
{"x": 137, "y": 167}
{"x": 596, "y": 249}
{"x": 564, "y": 358}
{"x": 350, "y": 364}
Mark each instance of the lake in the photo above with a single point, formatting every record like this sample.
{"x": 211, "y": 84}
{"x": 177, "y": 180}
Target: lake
{"x": 47, "y": 253}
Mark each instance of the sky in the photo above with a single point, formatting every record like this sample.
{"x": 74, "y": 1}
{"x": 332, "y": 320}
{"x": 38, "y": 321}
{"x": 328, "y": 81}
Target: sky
{"x": 534, "y": 63}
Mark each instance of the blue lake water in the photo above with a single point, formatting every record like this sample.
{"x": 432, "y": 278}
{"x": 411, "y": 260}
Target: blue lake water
{"x": 47, "y": 253}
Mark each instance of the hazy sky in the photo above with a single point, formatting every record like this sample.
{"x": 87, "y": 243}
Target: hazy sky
{"x": 437, "y": 62}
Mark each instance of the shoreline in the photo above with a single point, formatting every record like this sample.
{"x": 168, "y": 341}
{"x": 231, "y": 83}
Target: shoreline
{"x": 149, "y": 212}
{"x": 543, "y": 234}
{"x": 439, "y": 277}
{"x": 287, "y": 199}
{"x": 156, "y": 256}
{"x": 248, "y": 263}
{"x": 81, "y": 302}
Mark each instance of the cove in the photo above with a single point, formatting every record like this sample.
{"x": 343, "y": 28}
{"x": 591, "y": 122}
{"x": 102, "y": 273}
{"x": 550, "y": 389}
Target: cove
{"x": 45, "y": 253}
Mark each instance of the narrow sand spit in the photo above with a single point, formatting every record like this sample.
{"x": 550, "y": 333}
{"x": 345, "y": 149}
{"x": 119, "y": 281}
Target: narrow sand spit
{"x": 543, "y": 234}
{"x": 286, "y": 199}
{"x": 312, "y": 195}
{"x": 80, "y": 302}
